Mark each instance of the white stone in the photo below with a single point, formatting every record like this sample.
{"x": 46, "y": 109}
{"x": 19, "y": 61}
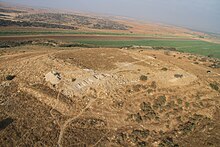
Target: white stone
{"x": 53, "y": 77}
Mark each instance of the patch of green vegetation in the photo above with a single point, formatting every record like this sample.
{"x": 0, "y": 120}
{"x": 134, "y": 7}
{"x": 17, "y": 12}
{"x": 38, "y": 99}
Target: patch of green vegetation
{"x": 190, "y": 46}
{"x": 61, "y": 32}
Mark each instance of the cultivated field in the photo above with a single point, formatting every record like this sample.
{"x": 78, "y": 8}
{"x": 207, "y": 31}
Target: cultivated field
{"x": 117, "y": 40}
{"x": 184, "y": 45}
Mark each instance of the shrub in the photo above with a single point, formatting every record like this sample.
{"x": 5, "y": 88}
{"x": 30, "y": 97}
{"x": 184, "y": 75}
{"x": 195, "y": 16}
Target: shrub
{"x": 143, "y": 78}
{"x": 153, "y": 85}
{"x": 145, "y": 106}
{"x": 141, "y": 133}
{"x": 196, "y": 62}
{"x": 10, "y": 77}
{"x": 73, "y": 79}
{"x": 159, "y": 102}
{"x": 142, "y": 144}
{"x": 137, "y": 87}
{"x": 138, "y": 118}
{"x": 214, "y": 86}
{"x": 168, "y": 142}
{"x": 178, "y": 76}
{"x": 179, "y": 101}
{"x": 164, "y": 69}
{"x": 187, "y": 104}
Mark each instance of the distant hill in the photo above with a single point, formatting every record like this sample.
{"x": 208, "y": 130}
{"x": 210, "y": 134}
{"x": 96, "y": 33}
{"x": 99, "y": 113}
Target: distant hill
{"x": 25, "y": 16}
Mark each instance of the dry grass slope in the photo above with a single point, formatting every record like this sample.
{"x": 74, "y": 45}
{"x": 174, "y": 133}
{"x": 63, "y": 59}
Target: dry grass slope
{"x": 107, "y": 97}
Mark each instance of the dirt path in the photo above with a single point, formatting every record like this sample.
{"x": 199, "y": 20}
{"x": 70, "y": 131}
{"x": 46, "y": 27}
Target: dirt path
{"x": 66, "y": 123}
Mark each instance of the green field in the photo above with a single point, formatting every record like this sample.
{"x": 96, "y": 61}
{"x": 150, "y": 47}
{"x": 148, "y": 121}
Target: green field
{"x": 70, "y": 32}
{"x": 191, "y": 46}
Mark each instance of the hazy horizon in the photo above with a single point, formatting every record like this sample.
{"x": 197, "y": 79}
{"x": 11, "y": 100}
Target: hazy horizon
{"x": 194, "y": 14}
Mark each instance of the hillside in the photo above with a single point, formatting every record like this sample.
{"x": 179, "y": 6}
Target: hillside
{"x": 107, "y": 97}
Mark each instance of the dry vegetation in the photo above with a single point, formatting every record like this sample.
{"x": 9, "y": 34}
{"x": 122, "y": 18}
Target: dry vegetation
{"x": 107, "y": 97}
